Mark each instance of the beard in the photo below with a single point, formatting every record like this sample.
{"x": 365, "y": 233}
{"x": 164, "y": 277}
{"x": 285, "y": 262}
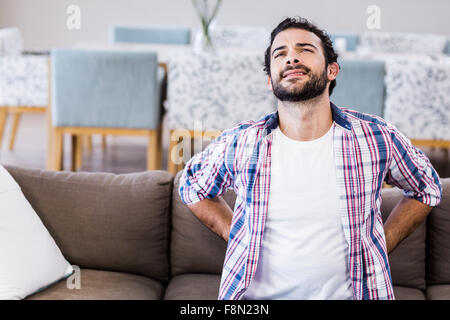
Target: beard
{"x": 314, "y": 87}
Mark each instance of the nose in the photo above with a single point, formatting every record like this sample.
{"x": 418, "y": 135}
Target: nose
{"x": 292, "y": 59}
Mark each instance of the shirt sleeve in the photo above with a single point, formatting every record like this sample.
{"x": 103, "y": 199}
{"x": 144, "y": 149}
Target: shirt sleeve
{"x": 411, "y": 170}
{"x": 206, "y": 175}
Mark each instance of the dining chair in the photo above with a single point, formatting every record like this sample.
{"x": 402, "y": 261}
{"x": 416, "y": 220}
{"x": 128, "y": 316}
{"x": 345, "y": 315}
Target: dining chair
{"x": 104, "y": 92}
{"x": 150, "y": 34}
{"x": 208, "y": 93}
{"x": 418, "y": 100}
{"x": 360, "y": 86}
{"x": 23, "y": 82}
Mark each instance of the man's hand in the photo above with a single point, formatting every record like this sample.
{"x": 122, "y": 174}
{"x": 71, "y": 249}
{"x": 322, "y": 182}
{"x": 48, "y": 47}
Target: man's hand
{"x": 214, "y": 213}
{"x": 407, "y": 215}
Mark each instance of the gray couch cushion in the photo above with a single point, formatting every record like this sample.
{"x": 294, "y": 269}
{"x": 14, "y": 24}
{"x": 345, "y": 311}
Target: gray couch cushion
{"x": 194, "y": 248}
{"x": 103, "y": 220}
{"x": 405, "y": 293}
{"x": 438, "y": 292}
{"x": 193, "y": 287}
{"x": 407, "y": 260}
{"x": 438, "y": 241}
{"x": 104, "y": 285}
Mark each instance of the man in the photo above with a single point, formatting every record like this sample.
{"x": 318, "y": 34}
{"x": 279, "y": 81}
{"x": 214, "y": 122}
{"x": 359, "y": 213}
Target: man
{"x": 308, "y": 179}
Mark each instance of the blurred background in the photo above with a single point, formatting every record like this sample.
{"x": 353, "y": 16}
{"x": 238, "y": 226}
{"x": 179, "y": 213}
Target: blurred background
{"x": 43, "y": 22}
{"x": 125, "y": 86}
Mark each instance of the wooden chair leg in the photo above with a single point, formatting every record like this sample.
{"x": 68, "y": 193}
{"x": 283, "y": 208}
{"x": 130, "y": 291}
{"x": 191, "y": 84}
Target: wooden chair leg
{"x": 75, "y": 142}
{"x": 88, "y": 139}
{"x": 446, "y": 152}
{"x": 77, "y": 152}
{"x": 171, "y": 157}
{"x": 103, "y": 142}
{"x": 15, "y": 125}
{"x": 152, "y": 150}
{"x": 159, "y": 148}
{"x": 56, "y": 152}
{"x": 3, "y": 115}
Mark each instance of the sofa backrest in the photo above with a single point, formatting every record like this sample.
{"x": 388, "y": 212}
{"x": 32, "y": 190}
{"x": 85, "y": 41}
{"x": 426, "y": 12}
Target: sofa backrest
{"x": 194, "y": 248}
{"x": 103, "y": 220}
{"x": 438, "y": 239}
{"x": 407, "y": 260}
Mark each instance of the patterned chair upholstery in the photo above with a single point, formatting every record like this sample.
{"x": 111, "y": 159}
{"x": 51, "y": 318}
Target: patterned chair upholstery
{"x": 169, "y": 35}
{"x": 417, "y": 97}
{"x": 212, "y": 92}
{"x": 23, "y": 81}
{"x": 360, "y": 86}
{"x": 409, "y": 43}
{"x": 106, "y": 92}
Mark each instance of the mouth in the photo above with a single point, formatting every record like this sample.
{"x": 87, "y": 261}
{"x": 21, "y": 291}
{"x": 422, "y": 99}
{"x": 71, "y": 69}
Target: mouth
{"x": 295, "y": 73}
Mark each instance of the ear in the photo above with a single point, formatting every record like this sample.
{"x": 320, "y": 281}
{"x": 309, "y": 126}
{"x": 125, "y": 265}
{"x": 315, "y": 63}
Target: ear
{"x": 269, "y": 83}
{"x": 333, "y": 71}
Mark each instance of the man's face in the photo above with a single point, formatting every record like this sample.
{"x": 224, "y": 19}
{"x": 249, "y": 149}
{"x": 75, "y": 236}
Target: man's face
{"x": 297, "y": 66}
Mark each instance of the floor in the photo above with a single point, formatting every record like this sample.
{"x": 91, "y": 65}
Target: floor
{"x": 123, "y": 154}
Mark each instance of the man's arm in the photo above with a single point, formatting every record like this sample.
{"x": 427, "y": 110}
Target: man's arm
{"x": 410, "y": 170}
{"x": 205, "y": 178}
{"x": 407, "y": 215}
{"x": 215, "y": 214}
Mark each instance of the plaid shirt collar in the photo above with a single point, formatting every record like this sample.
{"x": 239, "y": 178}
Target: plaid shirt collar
{"x": 338, "y": 116}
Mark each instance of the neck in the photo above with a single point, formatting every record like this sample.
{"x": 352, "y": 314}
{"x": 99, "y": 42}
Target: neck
{"x": 305, "y": 120}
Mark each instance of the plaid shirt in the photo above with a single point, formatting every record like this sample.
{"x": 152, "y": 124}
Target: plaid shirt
{"x": 368, "y": 151}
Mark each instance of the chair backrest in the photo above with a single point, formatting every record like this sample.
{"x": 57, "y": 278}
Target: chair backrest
{"x": 410, "y": 43}
{"x": 11, "y": 42}
{"x": 24, "y": 81}
{"x": 417, "y": 97}
{"x": 240, "y": 37}
{"x": 350, "y": 39}
{"x": 360, "y": 86}
{"x": 218, "y": 90}
{"x": 105, "y": 89}
{"x": 166, "y": 35}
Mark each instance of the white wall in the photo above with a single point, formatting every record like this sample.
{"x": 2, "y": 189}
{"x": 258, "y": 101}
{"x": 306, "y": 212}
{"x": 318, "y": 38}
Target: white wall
{"x": 43, "y": 22}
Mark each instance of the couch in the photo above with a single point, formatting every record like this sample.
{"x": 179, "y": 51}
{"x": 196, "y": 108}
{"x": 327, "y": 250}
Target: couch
{"x": 133, "y": 238}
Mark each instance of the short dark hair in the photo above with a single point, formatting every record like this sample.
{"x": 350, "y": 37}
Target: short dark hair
{"x": 302, "y": 23}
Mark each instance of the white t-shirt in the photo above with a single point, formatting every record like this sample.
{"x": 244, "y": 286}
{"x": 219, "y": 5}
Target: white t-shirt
{"x": 304, "y": 251}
